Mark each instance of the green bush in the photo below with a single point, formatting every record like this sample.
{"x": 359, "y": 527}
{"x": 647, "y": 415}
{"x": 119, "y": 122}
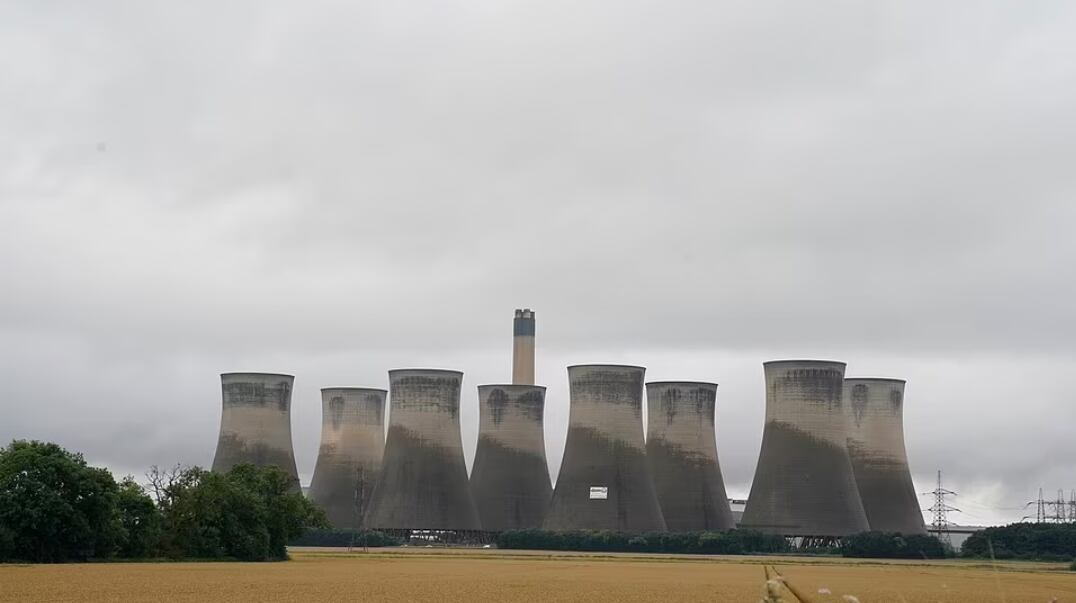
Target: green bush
{"x": 884, "y": 545}
{"x": 732, "y": 542}
{"x": 344, "y": 537}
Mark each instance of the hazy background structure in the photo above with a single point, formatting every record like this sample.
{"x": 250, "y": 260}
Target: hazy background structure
{"x": 604, "y": 480}
{"x": 423, "y": 482}
{"x": 349, "y": 457}
{"x": 510, "y": 476}
{"x": 523, "y": 347}
{"x": 804, "y": 485}
{"x": 875, "y": 409}
{"x": 255, "y": 422}
{"x": 681, "y": 447}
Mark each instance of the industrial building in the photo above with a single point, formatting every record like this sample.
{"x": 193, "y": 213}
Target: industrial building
{"x": 875, "y": 409}
{"x": 510, "y": 477}
{"x": 804, "y": 484}
{"x": 349, "y": 457}
{"x": 605, "y": 480}
{"x": 423, "y": 481}
{"x": 255, "y": 423}
{"x": 681, "y": 447}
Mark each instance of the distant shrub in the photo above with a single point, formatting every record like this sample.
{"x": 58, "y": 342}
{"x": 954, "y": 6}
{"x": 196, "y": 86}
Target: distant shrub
{"x": 885, "y": 545}
{"x": 732, "y": 542}
{"x": 344, "y": 537}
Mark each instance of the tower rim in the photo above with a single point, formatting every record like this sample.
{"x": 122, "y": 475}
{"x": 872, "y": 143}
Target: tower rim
{"x": 674, "y": 382}
{"x": 804, "y": 361}
{"x": 878, "y": 379}
{"x": 254, "y": 374}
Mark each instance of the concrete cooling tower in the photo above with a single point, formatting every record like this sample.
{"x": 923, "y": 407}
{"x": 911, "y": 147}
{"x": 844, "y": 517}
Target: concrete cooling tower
{"x": 879, "y": 460}
{"x": 255, "y": 423}
{"x": 423, "y": 481}
{"x": 510, "y": 477}
{"x": 604, "y": 480}
{"x": 804, "y": 484}
{"x": 349, "y": 459}
{"x": 682, "y": 449}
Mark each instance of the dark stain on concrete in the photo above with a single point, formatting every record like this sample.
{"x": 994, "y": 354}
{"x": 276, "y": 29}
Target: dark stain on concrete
{"x": 591, "y": 459}
{"x": 803, "y": 486}
{"x": 421, "y": 486}
{"x": 510, "y": 487}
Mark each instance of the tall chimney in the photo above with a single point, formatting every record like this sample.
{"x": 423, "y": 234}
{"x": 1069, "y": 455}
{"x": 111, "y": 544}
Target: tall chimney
{"x": 523, "y": 347}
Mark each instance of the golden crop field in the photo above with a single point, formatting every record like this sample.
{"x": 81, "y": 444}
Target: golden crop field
{"x": 449, "y": 576}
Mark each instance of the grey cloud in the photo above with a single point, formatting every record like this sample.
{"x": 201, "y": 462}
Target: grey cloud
{"x": 339, "y": 189}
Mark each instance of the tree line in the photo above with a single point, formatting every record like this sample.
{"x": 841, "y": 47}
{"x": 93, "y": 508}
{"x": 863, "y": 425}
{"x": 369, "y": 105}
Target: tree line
{"x": 1032, "y": 541}
{"x": 54, "y": 507}
{"x": 731, "y": 542}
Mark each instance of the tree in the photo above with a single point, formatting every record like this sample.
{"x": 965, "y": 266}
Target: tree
{"x": 140, "y": 519}
{"x": 249, "y": 513}
{"x": 54, "y": 507}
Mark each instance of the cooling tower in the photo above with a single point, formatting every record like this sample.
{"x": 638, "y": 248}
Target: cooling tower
{"x": 523, "y": 347}
{"x": 879, "y": 460}
{"x": 510, "y": 477}
{"x": 604, "y": 480}
{"x": 803, "y": 483}
{"x": 255, "y": 423}
{"x": 423, "y": 481}
{"x": 682, "y": 449}
{"x": 349, "y": 459}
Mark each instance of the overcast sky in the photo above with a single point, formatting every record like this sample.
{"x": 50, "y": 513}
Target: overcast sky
{"x": 334, "y": 189}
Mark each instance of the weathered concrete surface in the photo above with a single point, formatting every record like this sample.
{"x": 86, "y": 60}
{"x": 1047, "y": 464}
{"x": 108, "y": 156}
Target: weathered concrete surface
{"x": 605, "y": 448}
{"x": 510, "y": 477}
{"x": 349, "y": 458}
{"x": 523, "y": 347}
{"x": 804, "y": 485}
{"x": 255, "y": 423}
{"x": 681, "y": 446}
{"x": 423, "y": 481}
{"x": 875, "y": 409}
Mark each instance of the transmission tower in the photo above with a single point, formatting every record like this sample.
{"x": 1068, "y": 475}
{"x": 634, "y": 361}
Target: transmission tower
{"x": 1040, "y": 508}
{"x": 940, "y": 510}
{"x": 1054, "y": 511}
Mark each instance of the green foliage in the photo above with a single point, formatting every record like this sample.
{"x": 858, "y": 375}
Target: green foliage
{"x": 732, "y": 542}
{"x": 140, "y": 520}
{"x": 249, "y": 513}
{"x": 54, "y": 507}
{"x": 885, "y": 545}
{"x": 1040, "y": 541}
{"x": 344, "y": 537}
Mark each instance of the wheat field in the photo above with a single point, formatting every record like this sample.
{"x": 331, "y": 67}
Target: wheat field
{"x": 449, "y": 576}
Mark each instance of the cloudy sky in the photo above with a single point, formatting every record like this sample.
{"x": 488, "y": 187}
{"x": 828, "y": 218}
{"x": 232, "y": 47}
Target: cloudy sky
{"x": 341, "y": 188}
